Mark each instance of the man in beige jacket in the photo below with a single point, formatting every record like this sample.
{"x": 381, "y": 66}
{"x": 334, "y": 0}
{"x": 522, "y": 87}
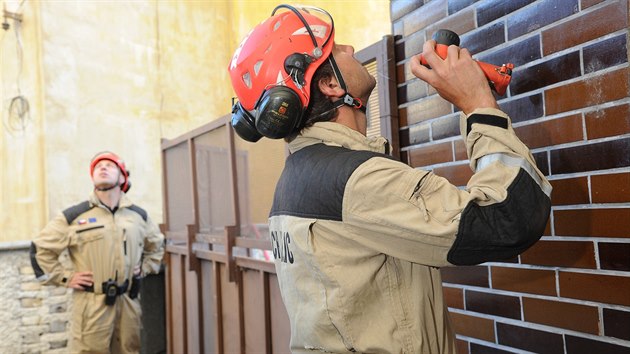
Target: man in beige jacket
{"x": 358, "y": 237}
{"x": 112, "y": 243}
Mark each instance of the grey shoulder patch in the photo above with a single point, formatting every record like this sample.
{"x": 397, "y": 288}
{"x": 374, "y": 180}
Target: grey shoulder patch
{"x": 313, "y": 182}
{"x": 140, "y": 211}
{"x": 74, "y": 211}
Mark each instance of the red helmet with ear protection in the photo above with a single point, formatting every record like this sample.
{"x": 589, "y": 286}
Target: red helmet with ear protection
{"x": 107, "y": 155}
{"x": 271, "y": 70}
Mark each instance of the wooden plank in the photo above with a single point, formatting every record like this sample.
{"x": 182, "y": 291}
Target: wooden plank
{"x": 247, "y": 242}
{"x": 256, "y": 264}
{"x": 210, "y": 126}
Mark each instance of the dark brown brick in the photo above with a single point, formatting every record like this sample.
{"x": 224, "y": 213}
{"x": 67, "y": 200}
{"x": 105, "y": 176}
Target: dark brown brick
{"x": 607, "y": 289}
{"x": 412, "y": 45}
{"x": 591, "y": 157}
{"x": 460, "y": 23}
{"x": 476, "y": 348}
{"x": 533, "y": 281}
{"x": 552, "y": 132}
{"x": 572, "y": 254}
{"x": 592, "y": 25}
{"x": 404, "y": 158}
{"x": 460, "y": 150}
{"x": 595, "y": 90}
{"x": 617, "y": 324}
{"x": 608, "y": 222}
{"x": 529, "y": 339}
{"x": 484, "y": 38}
{"x": 454, "y": 297}
{"x": 575, "y": 317}
{"x": 412, "y": 91}
{"x": 493, "y": 304}
{"x": 466, "y": 275}
{"x": 589, "y": 3}
{"x": 425, "y": 15}
{"x": 419, "y": 133}
{"x": 471, "y": 326}
{"x": 523, "y": 109}
{"x": 430, "y": 107}
{"x": 461, "y": 346}
{"x": 403, "y": 137}
{"x": 552, "y": 71}
{"x": 445, "y": 127}
{"x": 457, "y": 5}
{"x": 607, "y": 122}
{"x": 489, "y": 11}
{"x": 539, "y": 15}
{"x": 605, "y": 54}
{"x": 519, "y": 53}
{"x": 431, "y": 154}
{"x": 570, "y": 191}
{"x": 542, "y": 162}
{"x": 578, "y": 345}
{"x": 612, "y": 188}
{"x": 614, "y": 256}
{"x": 399, "y": 8}
{"x": 457, "y": 174}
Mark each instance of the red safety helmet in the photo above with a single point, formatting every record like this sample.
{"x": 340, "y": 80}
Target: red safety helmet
{"x": 271, "y": 71}
{"x": 107, "y": 155}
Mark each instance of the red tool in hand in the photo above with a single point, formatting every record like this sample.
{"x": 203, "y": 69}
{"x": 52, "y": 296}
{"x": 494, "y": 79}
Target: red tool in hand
{"x": 498, "y": 76}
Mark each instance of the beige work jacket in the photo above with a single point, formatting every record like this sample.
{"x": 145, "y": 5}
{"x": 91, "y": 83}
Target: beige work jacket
{"x": 358, "y": 238}
{"x": 108, "y": 244}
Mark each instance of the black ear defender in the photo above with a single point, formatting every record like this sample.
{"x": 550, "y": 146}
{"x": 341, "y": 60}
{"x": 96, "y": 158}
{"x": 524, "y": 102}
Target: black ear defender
{"x": 244, "y": 124}
{"x": 278, "y": 111}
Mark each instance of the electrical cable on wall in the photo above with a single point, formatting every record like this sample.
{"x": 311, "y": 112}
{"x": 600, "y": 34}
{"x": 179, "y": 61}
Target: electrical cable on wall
{"x": 18, "y": 113}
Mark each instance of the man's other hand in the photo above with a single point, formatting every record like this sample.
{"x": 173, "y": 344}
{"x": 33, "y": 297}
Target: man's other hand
{"x": 81, "y": 280}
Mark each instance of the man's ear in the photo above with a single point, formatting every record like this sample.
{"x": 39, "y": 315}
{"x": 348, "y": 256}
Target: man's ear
{"x": 330, "y": 87}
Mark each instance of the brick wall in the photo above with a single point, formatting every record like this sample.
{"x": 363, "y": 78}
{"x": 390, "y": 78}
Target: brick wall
{"x": 569, "y": 101}
{"x": 34, "y": 317}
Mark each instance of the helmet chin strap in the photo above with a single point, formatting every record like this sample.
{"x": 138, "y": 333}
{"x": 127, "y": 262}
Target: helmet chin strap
{"x": 346, "y": 100}
{"x": 107, "y": 188}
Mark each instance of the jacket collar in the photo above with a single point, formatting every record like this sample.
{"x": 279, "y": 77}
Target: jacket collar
{"x": 124, "y": 202}
{"x": 335, "y": 134}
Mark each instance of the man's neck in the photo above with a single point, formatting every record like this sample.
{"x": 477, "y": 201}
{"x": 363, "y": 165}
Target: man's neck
{"x": 110, "y": 198}
{"x": 352, "y": 118}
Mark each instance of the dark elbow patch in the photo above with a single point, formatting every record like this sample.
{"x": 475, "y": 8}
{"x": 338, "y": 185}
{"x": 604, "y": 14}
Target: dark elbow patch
{"x": 36, "y": 268}
{"x": 502, "y": 231}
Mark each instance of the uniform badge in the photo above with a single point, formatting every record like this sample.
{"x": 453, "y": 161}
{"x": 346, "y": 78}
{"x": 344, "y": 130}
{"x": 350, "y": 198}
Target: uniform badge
{"x": 82, "y": 222}
{"x": 91, "y": 220}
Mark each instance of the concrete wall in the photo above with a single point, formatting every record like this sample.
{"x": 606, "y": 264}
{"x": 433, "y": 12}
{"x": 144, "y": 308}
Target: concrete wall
{"x": 120, "y": 76}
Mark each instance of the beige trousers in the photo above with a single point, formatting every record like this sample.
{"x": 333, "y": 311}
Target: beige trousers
{"x": 98, "y": 328}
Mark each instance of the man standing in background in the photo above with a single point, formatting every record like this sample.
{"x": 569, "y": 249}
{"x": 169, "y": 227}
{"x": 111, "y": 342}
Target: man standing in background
{"x": 112, "y": 244}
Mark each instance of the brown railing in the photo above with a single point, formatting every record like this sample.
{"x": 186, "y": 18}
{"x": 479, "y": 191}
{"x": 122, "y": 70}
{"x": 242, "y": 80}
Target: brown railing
{"x": 218, "y": 300}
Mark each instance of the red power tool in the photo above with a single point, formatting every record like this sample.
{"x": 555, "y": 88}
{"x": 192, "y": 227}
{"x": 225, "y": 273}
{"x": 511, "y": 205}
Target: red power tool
{"x": 498, "y": 76}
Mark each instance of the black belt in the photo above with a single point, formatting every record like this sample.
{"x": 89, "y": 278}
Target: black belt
{"x": 120, "y": 289}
